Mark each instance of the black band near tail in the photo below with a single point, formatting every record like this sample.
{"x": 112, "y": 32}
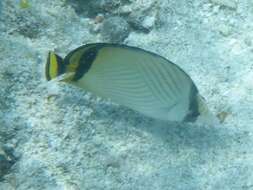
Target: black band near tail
{"x": 193, "y": 107}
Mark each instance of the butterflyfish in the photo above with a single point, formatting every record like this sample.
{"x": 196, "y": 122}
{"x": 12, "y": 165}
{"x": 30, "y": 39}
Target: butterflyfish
{"x": 133, "y": 77}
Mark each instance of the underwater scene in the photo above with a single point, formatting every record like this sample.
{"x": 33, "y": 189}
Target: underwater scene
{"x": 126, "y": 95}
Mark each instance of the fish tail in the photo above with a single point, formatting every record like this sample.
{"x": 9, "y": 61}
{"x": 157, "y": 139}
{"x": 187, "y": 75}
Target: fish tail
{"x": 54, "y": 66}
{"x": 202, "y": 107}
{"x": 206, "y": 116}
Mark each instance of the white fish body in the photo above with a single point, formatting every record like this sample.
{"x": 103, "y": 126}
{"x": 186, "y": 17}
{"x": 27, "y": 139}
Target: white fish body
{"x": 133, "y": 77}
{"x": 147, "y": 84}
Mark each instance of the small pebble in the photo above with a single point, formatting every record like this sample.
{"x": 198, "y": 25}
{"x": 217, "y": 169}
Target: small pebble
{"x": 99, "y": 18}
{"x": 126, "y": 9}
{"x": 248, "y": 41}
{"x": 232, "y": 4}
{"x": 148, "y": 22}
{"x": 222, "y": 116}
{"x": 224, "y": 30}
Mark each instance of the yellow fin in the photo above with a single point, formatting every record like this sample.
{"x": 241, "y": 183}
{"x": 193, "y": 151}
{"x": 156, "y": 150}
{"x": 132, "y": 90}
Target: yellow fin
{"x": 24, "y": 4}
{"x": 54, "y": 66}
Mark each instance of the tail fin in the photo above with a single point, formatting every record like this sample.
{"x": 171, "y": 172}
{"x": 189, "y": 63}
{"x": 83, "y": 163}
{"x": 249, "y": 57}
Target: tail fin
{"x": 206, "y": 117}
{"x": 54, "y": 66}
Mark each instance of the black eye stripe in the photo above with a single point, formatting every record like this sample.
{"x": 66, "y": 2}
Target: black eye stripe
{"x": 85, "y": 63}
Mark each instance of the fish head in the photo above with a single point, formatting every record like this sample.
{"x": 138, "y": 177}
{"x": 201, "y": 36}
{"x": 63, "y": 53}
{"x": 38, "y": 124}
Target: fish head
{"x": 73, "y": 66}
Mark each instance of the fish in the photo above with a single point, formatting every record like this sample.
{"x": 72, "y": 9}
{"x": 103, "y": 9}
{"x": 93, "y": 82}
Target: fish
{"x": 133, "y": 77}
{"x": 24, "y": 4}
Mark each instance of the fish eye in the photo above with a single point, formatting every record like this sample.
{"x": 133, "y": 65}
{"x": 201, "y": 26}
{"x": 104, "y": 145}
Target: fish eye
{"x": 85, "y": 63}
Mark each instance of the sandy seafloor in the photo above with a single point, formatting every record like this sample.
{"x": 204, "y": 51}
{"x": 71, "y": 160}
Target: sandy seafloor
{"x": 56, "y": 137}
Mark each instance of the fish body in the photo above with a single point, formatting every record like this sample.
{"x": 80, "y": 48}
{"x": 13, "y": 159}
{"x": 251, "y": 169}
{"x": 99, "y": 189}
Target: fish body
{"x": 133, "y": 77}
